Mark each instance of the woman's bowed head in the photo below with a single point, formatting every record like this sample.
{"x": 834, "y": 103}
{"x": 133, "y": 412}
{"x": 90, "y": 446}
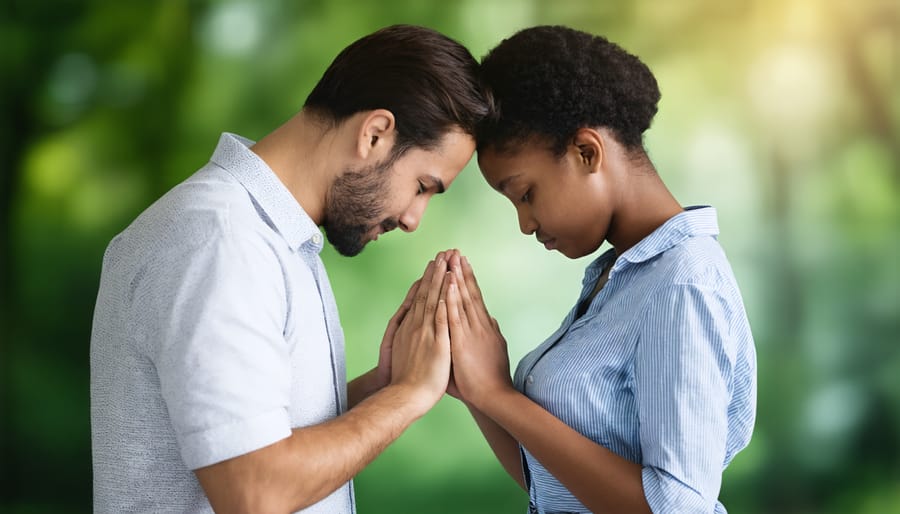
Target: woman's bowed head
{"x": 564, "y": 142}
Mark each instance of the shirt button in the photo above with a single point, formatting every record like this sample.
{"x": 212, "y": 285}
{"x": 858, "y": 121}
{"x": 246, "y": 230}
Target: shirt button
{"x": 529, "y": 379}
{"x": 317, "y": 239}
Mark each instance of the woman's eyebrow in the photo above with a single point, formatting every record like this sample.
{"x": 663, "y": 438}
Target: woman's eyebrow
{"x": 505, "y": 183}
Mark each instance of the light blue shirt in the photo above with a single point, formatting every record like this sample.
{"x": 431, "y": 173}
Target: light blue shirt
{"x": 660, "y": 369}
{"x": 215, "y": 333}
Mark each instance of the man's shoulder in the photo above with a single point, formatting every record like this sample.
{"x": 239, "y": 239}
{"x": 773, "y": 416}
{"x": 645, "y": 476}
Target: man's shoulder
{"x": 206, "y": 208}
{"x": 197, "y": 208}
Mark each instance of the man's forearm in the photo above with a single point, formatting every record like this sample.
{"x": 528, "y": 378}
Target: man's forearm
{"x": 314, "y": 461}
{"x": 363, "y": 386}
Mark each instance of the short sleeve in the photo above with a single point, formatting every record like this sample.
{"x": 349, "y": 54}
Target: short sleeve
{"x": 218, "y": 346}
{"x": 682, "y": 387}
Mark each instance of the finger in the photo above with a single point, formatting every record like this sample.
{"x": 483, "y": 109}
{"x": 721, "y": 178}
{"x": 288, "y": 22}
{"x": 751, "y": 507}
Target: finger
{"x": 471, "y": 281}
{"x": 442, "y": 337}
{"x": 405, "y": 306}
{"x": 475, "y": 297}
{"x": 434, "y": 290}
{"x": 455, "y": 263}
{"x": 466, "y": 302}
{"x": 397, "y": 319}
{"x": 456, "y": 316}
{"x": 452, "y": 254}
{"x": 408, "y": 299}
{"x": 421, "y": 295}
{"x": 441, "y": 328}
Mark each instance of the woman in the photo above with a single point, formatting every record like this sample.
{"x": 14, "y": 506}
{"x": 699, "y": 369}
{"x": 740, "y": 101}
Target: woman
{"x": 643, "y": 396}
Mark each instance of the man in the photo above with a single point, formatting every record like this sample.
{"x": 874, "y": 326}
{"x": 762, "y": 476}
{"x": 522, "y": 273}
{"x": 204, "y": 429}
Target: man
{"x": 217, "y": 360}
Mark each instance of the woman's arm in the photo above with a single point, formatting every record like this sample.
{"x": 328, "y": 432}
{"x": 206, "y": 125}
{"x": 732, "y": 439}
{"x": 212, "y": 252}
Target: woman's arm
{"x": 600, "y": 479}
{"x": 504, "y": 446}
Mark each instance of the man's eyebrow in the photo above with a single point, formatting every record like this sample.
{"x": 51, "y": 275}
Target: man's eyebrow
{"x": 437, "y": 183}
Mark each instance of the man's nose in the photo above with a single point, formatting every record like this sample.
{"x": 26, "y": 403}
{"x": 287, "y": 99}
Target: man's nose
{"x": 409, "y": 220}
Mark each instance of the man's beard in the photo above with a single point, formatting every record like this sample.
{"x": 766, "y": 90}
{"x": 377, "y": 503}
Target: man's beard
{"x": 354, "y": 204}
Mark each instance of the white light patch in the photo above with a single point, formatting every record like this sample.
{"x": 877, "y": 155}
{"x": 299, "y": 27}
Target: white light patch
{"x": 233, "y": 29}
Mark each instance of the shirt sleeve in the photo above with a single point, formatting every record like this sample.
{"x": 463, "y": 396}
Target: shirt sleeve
{"x": 682, "y": 387}
{"x": 218, "y": 346}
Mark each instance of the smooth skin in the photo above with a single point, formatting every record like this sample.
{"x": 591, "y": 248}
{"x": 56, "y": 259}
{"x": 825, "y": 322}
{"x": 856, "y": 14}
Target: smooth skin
{"x": 596, "y": 191}
{"x": 414, "y": 362}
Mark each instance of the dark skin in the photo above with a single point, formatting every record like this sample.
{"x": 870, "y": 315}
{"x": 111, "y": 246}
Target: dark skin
{"x": 597, "y": 191}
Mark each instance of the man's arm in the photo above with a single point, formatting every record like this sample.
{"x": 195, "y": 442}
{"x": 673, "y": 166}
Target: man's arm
{"x": 307, "y": 466}
{"x": 314, "y": 461}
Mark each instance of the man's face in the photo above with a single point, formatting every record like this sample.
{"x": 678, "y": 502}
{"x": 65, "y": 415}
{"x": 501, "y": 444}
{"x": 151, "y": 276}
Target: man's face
{"x": 367, "y": 202}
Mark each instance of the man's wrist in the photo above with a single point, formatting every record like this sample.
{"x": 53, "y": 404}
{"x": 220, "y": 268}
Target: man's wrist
{"x": 414, "y": 401}
{"x": 363, "y": 386}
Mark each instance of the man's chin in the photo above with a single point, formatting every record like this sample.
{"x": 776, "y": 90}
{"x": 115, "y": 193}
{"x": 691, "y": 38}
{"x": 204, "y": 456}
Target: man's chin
{"x": 349, "y": 248}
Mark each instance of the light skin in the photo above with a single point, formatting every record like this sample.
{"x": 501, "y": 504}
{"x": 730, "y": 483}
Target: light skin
{"x": 596, "y": 191}
{"x": 414, "y": 362}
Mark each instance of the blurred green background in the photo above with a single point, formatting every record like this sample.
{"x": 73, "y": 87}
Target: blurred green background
{"x": 782, "y": 113}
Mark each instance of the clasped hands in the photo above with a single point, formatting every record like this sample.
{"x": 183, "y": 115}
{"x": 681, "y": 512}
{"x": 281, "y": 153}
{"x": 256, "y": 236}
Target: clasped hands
{"x": 443, "y": 340}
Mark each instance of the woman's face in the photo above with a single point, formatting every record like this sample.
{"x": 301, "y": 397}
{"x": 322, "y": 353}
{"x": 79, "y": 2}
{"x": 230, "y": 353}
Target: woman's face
{"x": 564, "y": 201}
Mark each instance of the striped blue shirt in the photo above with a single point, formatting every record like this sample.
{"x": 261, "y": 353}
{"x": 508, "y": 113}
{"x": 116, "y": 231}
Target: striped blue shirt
{"x": 660, "y": 369}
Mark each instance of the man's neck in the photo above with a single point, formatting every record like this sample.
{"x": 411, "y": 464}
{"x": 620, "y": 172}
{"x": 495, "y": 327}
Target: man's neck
{"x": 297, "y": 152}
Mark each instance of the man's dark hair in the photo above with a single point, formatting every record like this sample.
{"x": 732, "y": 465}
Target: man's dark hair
{"x": 549, "y": 81}
{"x": 427, "y": 80}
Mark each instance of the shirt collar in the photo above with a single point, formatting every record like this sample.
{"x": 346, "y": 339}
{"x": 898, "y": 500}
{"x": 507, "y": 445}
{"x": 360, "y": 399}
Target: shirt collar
{"x": 692, "y": 222}
{"x": 272, "y": 198}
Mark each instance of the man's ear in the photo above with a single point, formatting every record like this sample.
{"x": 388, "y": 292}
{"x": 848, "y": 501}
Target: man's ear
{"x": 376, "y": 135}
{"x": 590, "y": 145}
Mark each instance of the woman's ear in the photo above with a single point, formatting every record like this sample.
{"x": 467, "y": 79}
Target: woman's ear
{"x": 590, "y": 146}
{"x": 376, "y": 135}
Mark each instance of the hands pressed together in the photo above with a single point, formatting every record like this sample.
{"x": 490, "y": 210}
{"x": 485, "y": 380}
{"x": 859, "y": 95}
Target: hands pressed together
{"x": 443, "y": 340}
